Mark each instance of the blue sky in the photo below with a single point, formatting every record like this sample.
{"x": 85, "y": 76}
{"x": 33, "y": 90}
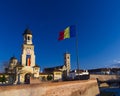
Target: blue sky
{"x": 97, "y": 23}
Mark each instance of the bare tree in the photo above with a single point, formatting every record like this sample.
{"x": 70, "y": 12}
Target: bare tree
{"x": 4, "y": 65}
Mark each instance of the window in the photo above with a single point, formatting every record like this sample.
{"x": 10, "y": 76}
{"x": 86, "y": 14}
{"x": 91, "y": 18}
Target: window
{"x": 28, "y": 37}
{"x": 57, "y": 73}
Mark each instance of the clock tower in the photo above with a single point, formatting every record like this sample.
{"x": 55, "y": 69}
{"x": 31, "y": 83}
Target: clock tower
{"x": 27, "y": 67}
{"x": 28, "y": 56}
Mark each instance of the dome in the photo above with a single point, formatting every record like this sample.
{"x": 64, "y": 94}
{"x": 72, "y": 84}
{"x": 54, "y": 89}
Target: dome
{"x": 12, "y": 58}
{"x": 27, "y": 31}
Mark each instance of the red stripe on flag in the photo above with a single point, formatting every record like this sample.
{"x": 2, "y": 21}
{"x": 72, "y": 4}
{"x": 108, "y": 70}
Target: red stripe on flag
{"x": 61, "y": 35}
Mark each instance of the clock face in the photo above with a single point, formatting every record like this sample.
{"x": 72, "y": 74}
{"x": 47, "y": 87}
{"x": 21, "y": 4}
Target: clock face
{"x": 28, "y": 51}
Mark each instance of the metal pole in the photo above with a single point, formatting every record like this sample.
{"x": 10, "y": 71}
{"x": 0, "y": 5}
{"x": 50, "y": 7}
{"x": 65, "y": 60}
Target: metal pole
{"x": 77, "y": 56}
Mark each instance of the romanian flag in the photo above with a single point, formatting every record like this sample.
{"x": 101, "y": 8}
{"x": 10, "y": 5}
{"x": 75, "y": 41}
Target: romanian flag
{"x": 67, "y": 33}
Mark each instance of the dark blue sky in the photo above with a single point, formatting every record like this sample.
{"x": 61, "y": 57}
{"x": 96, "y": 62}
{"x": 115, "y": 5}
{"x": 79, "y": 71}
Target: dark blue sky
{"x": 97, "y": 22}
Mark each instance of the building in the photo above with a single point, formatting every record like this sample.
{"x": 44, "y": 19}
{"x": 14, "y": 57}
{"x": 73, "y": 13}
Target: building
{"x": 26, "y": 68}
{"x": 79, "y": 74}
{"x": 60, "y": 72}
{"x": 105, "y": 71}
{"x": 57, "y": 75}
{"x": 53, "y": 75}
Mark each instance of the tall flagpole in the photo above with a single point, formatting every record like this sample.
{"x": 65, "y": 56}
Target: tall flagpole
{"x": 77, "y": 55}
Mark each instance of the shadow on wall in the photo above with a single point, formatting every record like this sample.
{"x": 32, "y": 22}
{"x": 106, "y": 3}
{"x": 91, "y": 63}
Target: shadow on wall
{"x": 79, "y": 93}
{"x": 98, "y": 95}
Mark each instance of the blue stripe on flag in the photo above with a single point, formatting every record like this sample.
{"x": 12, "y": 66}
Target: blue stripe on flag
{"x": 72, "y": 31}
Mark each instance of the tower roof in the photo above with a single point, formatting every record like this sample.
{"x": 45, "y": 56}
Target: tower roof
{"x": 13, "y": 58}
{"x": 27, "y": 31}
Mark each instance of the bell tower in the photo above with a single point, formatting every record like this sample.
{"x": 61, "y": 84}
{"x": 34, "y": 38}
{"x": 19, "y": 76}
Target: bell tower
{"x": 28, "y": 56}
{"x": 67, "y": 63}
{"x": 27, "y": 36}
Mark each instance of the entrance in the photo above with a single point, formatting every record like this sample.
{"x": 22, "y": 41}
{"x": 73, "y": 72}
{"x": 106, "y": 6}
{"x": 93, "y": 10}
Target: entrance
{"x": 27, "y": 78}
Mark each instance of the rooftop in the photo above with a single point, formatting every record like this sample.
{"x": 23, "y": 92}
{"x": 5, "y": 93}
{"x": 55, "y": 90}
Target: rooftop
{"x": 27, "y": 31}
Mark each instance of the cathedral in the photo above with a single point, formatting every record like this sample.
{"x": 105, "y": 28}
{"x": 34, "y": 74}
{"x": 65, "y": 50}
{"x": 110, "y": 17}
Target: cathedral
{"x": 26, "y": 68}
{"x": 21, "y": 72}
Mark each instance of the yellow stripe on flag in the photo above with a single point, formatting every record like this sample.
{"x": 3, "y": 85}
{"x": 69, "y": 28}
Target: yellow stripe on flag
{"x": 67, "y": 33}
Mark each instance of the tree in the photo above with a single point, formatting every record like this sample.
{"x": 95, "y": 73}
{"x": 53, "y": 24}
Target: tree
{"x": 5, "y": 65}
{"x": 43, "y": 78}
{"x": 49, "y": 77}
{"x": 3, "y": 79}
{"x": 0, "y": 79}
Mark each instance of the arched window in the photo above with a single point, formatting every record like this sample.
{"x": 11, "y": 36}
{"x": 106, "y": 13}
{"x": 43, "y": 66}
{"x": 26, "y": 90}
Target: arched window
{"x": 28, "y": 37}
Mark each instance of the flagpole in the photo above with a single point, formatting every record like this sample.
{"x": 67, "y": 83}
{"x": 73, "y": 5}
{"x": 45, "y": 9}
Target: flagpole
{"x": 77, "y": 55}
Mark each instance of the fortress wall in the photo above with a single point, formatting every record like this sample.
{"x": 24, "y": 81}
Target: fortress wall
{"x": 105, "y": 77}
{"x": 71, "y": 88}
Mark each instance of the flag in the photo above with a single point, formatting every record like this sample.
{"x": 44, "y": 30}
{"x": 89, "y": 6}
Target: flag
{"x": 28, "y": 60}
{"x": 69, "y": 32}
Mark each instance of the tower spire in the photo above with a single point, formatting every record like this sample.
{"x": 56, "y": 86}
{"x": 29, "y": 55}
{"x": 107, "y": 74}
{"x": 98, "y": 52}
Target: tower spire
{"x": 27, "y": 36}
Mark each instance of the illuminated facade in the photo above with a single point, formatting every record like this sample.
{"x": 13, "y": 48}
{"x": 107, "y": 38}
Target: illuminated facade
{"x": 28, "y": 67}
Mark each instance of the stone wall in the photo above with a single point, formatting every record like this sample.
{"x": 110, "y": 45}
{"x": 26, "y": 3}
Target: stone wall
{"x": 71, "y": 88}
{"x": 105, "y": 77}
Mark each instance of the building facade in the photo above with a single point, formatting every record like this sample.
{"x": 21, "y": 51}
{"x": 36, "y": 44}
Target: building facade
{"x": 26, "y": 68}
{"x": 63, "y": 70}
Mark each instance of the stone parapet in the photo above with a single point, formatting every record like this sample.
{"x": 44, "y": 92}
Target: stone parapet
{"x": 70, "y": 88}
